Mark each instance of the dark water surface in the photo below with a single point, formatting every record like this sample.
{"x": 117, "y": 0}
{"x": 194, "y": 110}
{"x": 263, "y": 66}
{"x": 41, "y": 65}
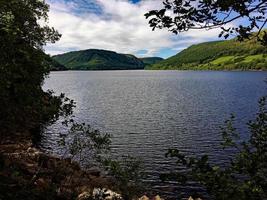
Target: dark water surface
{"x": 148, "y": 112}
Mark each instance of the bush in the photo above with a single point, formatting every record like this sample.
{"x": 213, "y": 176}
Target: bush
{"x": 245, "y": 177}
{"x": 128, "y": 176}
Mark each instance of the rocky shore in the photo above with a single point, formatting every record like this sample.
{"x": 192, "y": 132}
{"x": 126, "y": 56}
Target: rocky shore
{"x": 28, "y": 173}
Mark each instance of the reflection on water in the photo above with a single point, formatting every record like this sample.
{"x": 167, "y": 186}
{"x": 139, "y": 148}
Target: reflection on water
{"x": 148, "y": 112}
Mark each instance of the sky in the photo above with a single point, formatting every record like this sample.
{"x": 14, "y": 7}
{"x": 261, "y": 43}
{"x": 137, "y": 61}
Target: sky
{"x": 116, "y": 25}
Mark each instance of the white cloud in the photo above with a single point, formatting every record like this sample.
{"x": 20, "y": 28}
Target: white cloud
{"x": 120, "y": 27}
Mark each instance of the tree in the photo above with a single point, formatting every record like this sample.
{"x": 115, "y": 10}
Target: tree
{"x": 23, "y": 33}
{"x": 244, "y": 176}
{"x": 183, "y": 15}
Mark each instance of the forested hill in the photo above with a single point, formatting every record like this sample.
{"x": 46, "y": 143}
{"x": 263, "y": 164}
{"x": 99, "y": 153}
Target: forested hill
{"x": 218, "y": 55}
{"x": 151, "y": 60}
{"x": 53, "y": 65}
{"x": 94, "y": 59}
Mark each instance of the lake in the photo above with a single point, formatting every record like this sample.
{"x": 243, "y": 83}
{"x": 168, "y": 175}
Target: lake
{"x": 148, "y": 112}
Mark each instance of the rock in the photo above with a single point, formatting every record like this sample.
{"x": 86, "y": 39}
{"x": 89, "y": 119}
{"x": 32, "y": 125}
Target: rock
{"x": 157, "y": 198}
{"x": 83, "y": 189}
{"x": 84, "y": 196}
{"x": 32, "y": 150}
{"x": 191, "y": 198}
{"x": 144, "y": 198}
{"x": 106, "y": 194}
{"x": 41, "y": 170}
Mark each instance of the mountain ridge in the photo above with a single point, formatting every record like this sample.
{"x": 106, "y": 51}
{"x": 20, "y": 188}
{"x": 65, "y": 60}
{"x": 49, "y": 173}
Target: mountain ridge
{"x": 148, "y": 61}
{"x": 98, "y": 59}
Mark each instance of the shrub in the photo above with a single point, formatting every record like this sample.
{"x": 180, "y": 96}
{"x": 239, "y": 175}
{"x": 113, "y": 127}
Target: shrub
{"x": 245, "y": 177}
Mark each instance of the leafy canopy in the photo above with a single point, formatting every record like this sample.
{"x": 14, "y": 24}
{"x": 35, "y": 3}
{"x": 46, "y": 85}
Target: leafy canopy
{"x": 23, "y": 33}
{"x": 183, "y": 15}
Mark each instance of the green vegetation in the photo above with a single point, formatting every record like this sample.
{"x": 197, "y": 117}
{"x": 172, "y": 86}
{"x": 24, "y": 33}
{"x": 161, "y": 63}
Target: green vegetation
{"x": 90, "y": 147}
{"x": 148, "y": 61}
{"x": 243, "y": 177}
{"x": 128, "y": 174}
{"x": 25, "y": 107}
{"x": 53, "y": 65}
{"x": 93, "y": 59}
{"x": 219, "y": 55}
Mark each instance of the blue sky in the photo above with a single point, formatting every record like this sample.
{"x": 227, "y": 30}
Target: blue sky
{"x": 117, "y": 25}
{"x": 135, "y": 1}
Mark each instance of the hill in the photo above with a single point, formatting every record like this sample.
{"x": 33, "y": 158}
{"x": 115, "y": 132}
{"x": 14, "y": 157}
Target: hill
{"x": 218, "y": 55}
{"x": 52, "y": 64}
{"x": 151, "y": 60}
{"x": 94, "y": 59}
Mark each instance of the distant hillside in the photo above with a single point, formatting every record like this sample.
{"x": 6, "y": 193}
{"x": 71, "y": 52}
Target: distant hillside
{"x": 53, "y": 65}
{"x": 151, "y": 60}
{"x": 93, "y": 59}
{"x": 219, "y": 55}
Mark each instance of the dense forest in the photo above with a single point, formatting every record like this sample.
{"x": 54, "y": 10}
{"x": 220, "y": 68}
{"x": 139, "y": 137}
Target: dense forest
{"x": 148, "y": 61}
{"x": 94, "y": 59}
{"x": 53, "y": 65}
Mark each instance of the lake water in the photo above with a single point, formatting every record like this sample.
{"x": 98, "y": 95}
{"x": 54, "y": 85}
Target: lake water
{"x": 148, "y": 112}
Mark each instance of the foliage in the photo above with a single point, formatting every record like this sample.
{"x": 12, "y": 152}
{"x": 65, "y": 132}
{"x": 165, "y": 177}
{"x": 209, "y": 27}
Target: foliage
{"x": 148, "y": 61}
{"x": 84, "y": 143}
{"x": 182, "y": 15}
{"x": 127, "y": 174}
{"x": 23, "y": 67}
{"x": 245, "y": 175}
{"x": 53, "y": 65}
{"x": 93, "y": 59}
{"x": 90, "y": 147}
{"x": 214, "y": 55}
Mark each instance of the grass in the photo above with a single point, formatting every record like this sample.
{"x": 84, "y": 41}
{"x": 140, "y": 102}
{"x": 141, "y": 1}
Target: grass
{"x": 254, "y": 57}
{"x": 222, "y": 60}
{"x": 219, "y": 55}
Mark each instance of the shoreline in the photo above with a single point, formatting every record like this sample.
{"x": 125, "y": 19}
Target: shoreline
{"x": 183, "y": 70}
{"x": 30, "y": 170}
